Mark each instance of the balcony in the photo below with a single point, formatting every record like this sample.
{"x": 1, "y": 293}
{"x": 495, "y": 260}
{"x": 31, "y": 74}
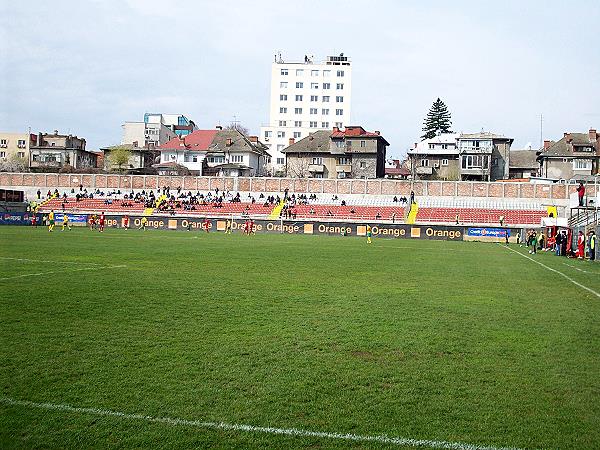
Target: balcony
{"x": 343, "y": 168}
{"x": 317, "y": 168}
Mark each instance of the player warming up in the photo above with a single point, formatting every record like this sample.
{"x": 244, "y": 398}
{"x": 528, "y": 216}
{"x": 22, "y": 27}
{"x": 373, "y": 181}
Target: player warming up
{"x": 369, "y": 234}
{"x": 51, "y": 221}
{"x": 65, "y": 222}
{"x": 101, "y": 222}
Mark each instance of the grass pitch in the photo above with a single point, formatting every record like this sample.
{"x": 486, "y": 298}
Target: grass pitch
{"x": 447, "y": 341}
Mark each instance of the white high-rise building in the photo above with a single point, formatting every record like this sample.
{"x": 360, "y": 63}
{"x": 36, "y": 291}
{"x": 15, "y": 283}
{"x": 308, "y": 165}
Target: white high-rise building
{"x": 306, "y": 96}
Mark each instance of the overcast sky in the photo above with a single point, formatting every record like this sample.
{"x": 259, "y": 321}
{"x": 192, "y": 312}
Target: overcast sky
{"x": 85, "y": 67}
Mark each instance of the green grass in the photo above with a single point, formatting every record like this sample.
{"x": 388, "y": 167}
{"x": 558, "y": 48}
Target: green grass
{"x": 451, "y": 341}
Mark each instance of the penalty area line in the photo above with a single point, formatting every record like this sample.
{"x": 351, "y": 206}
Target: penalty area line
{"x": 60, "y": 271}
{"x": 294, "y": 432}
{"x": 50, "y": 261}
{"x": 555, "y": 271}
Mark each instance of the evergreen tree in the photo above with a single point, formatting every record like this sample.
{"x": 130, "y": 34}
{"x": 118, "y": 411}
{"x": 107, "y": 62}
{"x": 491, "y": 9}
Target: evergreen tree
{"x": 437, "y": 120}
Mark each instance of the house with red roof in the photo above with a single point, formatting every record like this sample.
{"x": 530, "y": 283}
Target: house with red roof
{"x": 349, "y": 153}
{"x": 214, "y": 152}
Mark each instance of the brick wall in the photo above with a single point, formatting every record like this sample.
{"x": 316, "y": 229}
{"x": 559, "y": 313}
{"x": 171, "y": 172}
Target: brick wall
{"x": 329, "y": 186}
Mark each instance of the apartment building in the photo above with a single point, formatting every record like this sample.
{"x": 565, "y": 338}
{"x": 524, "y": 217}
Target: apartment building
{"x": 306, "y": 96}
{"x": 435, "y": 158}
{"x": 575, "y": 155}
{"x": 351, "y": 153}
{"x": 15, "y": 146}
{"x": 484, "y": 156}
{"x": 54, "y": 150}
{"x": 177, "y": 123}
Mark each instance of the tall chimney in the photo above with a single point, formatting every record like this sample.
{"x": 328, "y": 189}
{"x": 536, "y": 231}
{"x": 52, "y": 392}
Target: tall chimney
{"x": 416, "y": 143}
{"x": 229, "y": 142}
{"x": 593, "y": 135}
{"x": 546, "y": 145}
{"x": 567, "y": 137}
{"x": 253, "y": 138}
{"x": 377, "y": 132}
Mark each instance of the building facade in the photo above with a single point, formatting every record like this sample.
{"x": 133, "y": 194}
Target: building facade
{"x": 177, "y": 123}
{"x": 484, "y": 156}
{"x": 576, "y": 154}
{"x": 306, "y": 96}
{"x": 215, "y": 152}
{"x": 523, "y": 164}
{"x": 59, "y": 150}
{"x": 16, "y": 147}
{"x": 352, "y": 153}
{"x": 435, "y": 158}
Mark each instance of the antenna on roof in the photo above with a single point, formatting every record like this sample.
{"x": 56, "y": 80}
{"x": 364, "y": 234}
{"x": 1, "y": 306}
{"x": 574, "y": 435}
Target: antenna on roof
{"x": 541, "y": 130}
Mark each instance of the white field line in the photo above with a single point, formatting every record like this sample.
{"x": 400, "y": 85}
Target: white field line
{"x": 581, "y": 270}
{"x": 50, "y": 261}
{"x": 60, "y": 271}
{"x": 555, "y": 271}
{"x": 295, "y": 432}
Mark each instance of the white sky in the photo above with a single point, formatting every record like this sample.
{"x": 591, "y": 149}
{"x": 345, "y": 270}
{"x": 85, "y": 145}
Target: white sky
{"x": 85, "y": 67}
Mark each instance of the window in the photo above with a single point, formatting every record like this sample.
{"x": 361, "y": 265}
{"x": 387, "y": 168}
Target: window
{"x": 318, "y": 175}
{"x": 284, "y": 71}
{"x": 339, "y": 99}
{"x": 280, "y": 161}
{"x": 21, "y": 143}
{"x": 344, "y": 160}
{"x": 297, "y": 123}
{"x": 298, "y": 98}
{"x": 326, "y": 99}
{"x": 314, "y": 111}
{"x": 326, "y": 73}
{"x": 324, "y": 124}
{"x": 314, "y": 73}
{"x": 325, "y": 111}
{"x": 494, "y": 162}
{"x": 339, "y": 112}
{"x": 283, "y": 110}
{"x": 475, "y": 162}
{"x": 283, "y": 123}
{"x": 300, "y": 85}
{"x": 339, "y": 144}
{"x": 363, "y": 165}
{"x": 339, "y": 86}
{"x": 340, "y": 73}
{"x": 3, "y": 142}
{"x": 582, "y": 164}
{"x": 237, "y": 158}
{"x": 21, "y": 154}
{"x": 283, "y": 97}
{"x": 326, "y": 85}
{"x": 445, "y": 147}
{"x": 281, "y": 134}
{"x": 298, "y": 111}
{"x": 2, "y": 154}
{"x": 314, "y": 85}
{"x": 313, "y": 124}
{"x": 314, "y": 98}
{"x": 283, "y": 84}
{"x": 444, "y": 162}
{"x": 297, "y": 134}
{"x": 431, "y": 146}
{"x": 211, "y": 159}
{"x": 424, "y": 163}
{"x": 363, "y": 143}
{"x": 299, "y": 72}
{"x": 339, "y": 125}
{"x": 317, "y": 160}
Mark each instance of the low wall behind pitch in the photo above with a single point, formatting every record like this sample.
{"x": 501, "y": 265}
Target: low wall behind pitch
{"x": 516, "y": 190}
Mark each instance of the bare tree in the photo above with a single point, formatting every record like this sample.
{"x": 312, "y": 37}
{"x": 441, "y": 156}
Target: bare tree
{"x": 14, "y": 164}
{"x": 238, "y": 127}
{"x": 297, "y": 165}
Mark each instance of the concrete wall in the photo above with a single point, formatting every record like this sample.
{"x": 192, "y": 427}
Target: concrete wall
{"x": 547, "y": 193}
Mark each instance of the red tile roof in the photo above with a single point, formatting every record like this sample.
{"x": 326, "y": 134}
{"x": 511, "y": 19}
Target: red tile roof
{"x": 352, "y": 131}
{"x": 199, "y": 141}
